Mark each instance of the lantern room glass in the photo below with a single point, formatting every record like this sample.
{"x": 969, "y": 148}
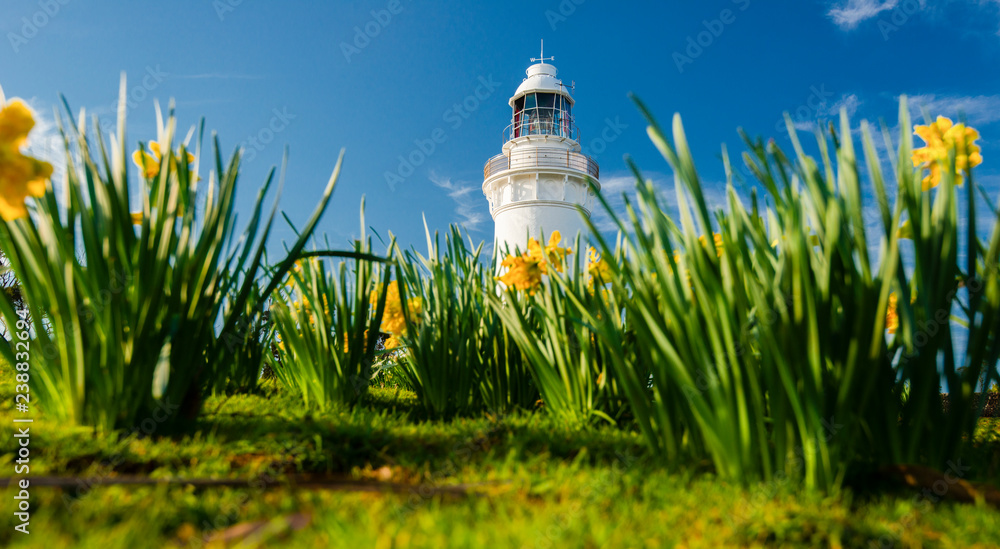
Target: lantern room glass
{"x": 542, "y": 113}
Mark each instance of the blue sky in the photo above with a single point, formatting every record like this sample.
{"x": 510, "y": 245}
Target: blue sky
{"x": 379, "y": 78}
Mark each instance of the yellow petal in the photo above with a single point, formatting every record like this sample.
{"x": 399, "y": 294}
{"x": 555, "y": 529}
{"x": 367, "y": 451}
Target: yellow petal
{"x": 11, "y": 209}
{"x": 137, "y": 218}
{"x": 536, "y": 254}
{"x": 525, "y": 273}
{"x": 554, "y": 239}
{"x": 534, "y": 248}
{"x": 146, "y": 162}
{"x": 36, "y": 187}
{"x": 20, "y": 177}
{"x": 38, "y": 182}
{"x": 891, "y": 315}
{"x": 921, "y": 156}
{"x": 933, "y": 178}
{"x": 943, "y": 123}
{"x": 15, "y": 123}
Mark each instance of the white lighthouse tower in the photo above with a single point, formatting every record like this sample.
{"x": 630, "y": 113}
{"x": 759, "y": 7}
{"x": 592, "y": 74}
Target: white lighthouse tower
{"x": 535, "y": 185}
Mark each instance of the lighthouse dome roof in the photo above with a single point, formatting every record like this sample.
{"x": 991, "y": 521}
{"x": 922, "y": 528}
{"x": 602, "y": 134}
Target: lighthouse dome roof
{"x": 541, "y": 78}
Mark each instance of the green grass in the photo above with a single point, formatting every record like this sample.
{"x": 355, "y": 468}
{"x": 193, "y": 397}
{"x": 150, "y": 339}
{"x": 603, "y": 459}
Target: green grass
{"x": 537, "y": 483}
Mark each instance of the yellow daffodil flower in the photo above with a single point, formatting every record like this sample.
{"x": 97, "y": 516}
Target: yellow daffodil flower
{"x": 21, "y": 176}
{"x": 717, "y": 238}
{"x": 551, "y": 255}
{"x": 149, "y": 162}
{"x": 296, "y": 268}
{"x": 523, "y": 273}
{"x": 16, "y": 121}
{"x": 941, "y": 137}
{"x": 393, "y": 316}
{"x": 597, "y": 268}
{"x": 392, "y": 342}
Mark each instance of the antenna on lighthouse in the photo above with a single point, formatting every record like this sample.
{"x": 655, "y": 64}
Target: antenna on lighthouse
{"x": 542, "y": 59}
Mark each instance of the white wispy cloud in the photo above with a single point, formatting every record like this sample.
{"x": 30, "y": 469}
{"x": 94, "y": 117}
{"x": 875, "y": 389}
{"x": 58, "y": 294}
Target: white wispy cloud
{"x": 612, "y": 189}
{"x": 617, "y": 187}
{"x": 851, "y": 102}
{"x": 848, "y": 15}
{"x": 470, "y": 207}
{"x": 978, "y": 110}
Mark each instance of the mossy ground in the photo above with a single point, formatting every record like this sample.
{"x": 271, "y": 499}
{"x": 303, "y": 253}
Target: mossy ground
{"x": 531, "y": 483}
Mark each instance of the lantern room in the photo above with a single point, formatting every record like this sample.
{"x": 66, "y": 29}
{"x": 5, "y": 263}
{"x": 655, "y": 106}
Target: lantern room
{"x": 542, "y": 106}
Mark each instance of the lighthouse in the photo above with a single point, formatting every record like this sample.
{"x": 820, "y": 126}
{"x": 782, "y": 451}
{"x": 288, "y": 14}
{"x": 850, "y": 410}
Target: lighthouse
{"x": 536, "y": 184}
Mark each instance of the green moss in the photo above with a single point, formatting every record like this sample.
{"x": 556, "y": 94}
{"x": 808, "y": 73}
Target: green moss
{"x": 537, "y": 483}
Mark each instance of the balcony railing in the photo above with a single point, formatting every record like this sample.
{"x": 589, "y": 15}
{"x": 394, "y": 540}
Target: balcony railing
{"x": 542, "y": 158}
